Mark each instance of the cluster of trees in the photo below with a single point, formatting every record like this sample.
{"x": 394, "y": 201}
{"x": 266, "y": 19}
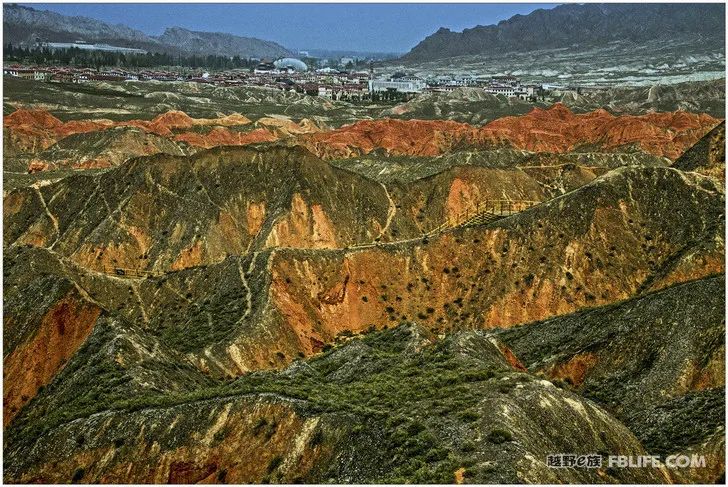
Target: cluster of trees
{"x": 81, "y": 57}
{"x": 391, "y": 95}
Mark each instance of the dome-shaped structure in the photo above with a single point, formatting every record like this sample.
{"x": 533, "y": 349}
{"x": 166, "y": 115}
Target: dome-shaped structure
{"x": 289, "y": 62}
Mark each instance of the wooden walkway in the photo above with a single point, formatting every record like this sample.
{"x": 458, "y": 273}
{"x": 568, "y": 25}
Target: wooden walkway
{"x": 485, "y": 212}
{"x": 128, "y": 272}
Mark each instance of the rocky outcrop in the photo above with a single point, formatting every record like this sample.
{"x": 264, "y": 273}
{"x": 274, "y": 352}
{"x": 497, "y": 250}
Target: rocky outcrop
{"x": 559, "y": 130}
{"x": 527, "y": 267}
{"x": 222, "y": 136}
{"x": 29, "y": 131}
{"x": 166, "y": 123}
{"x": 42, "y": 332}
{"x": 35, "y": 363}
{"x": 412, "y": 137}
{"x": 657, "y": 362}
{"x": 707, "y": 156}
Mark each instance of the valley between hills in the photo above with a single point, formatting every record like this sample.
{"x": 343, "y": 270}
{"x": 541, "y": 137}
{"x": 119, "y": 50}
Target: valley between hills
{"x": 238, "y": 285}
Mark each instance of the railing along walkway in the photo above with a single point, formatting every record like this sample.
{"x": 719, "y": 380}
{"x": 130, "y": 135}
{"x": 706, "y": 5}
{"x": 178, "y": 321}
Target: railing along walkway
{"x": 485, "y": 212}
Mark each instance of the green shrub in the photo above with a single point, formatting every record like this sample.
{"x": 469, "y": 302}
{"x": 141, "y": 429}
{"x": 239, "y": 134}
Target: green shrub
{"x": 469, "y": 416}
{"x": 220, "y": 435}
{"x": 498, "y": 436}
{"x": 505, "y": 388}
{"x": 271, "y": 430}
{"x": 262, "y": 423}
{"x": 274, "y": 463}
{"x": 221, "y": 475}
{"x": 468, "y": 446}
{"x": 78, "y": 475}
{"x": 316, "y": 439}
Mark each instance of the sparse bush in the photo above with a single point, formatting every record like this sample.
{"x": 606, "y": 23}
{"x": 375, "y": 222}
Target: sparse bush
{"x": 498, "y": 436}
{"x": 316, "y": 439}
{"x": 78, "y": 475}
{"x": 274, "y": 463}
{"x": 505, "y": 388}
{"x": 468, "y": 446}
{"x": 262, "y": 423}
{"x": 221, "y": 475}
{"x": 469, "y": 416}
{"x": 220, "y": 435}
{"x": 272, "y": 428}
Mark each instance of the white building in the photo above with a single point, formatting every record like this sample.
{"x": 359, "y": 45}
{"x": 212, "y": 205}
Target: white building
{"x": 400, "y": 85}
{"x": 290, "y": 64}
{"x": 506, "y": 90}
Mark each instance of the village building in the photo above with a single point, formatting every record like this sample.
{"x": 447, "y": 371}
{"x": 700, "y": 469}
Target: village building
{"x": 407, "y": 84}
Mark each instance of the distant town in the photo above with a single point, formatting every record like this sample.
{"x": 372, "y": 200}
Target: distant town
{"x": 331, "y": 83}
{"x": 347, "y": 78}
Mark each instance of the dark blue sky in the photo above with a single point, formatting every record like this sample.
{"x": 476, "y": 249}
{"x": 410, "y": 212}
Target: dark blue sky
{"x": 361, "y": 27}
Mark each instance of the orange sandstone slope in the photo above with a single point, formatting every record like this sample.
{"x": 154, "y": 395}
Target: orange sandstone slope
{"x": 397, "y": 137}
{"x": 559, "y": 130}
{"x": 31, "y": 130}
{"x": 554, "y": 130}
{"x": 614, "y": 238}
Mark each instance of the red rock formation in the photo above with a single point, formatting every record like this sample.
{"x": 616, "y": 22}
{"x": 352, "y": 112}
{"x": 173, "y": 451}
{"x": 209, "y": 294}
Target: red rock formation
{"x": 82, "y": 126}
{"x": 559, "y": 130}
{"x": 29, "y": 130}
{"x": 166, "y": 122}
{"x": 554, "y": 130}
{"x": 575, "y": 370}
{"x": 34, "y": 364}
{"x": 39, "y": 119}
{"x": 36, "y": 130}
{"x": 401, "y": 137}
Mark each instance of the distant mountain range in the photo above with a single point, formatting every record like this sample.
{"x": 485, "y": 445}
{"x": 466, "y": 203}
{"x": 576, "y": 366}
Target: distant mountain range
{"x": 193, "y": 42}
{"x": 568, "y": 26}
{"x": 23, "y": 25}
{"x": 339, "y": 53}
